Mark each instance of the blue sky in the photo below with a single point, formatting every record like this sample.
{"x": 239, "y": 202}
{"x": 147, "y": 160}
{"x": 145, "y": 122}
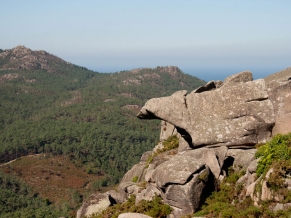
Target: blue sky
{"x": 208, "y": 39}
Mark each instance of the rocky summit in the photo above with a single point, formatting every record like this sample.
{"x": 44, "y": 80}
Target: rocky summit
{"x": 217, "y": 126}
{"x": 21, "y": 57}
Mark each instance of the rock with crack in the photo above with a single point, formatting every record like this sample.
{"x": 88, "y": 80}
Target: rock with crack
{"x": 189, "y": 197}
{"x": 185, "y": 180}
{"x": 238, "y": 114}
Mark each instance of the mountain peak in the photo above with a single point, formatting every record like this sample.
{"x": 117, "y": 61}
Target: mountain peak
{"x": 21, "y": 57}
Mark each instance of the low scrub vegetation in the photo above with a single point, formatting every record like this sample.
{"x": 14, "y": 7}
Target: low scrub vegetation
{"x": 227, "y": 201}
{"x": 170, "y": 144}
{"x": 154, "y": 208}
{"x": 278, "y": 149}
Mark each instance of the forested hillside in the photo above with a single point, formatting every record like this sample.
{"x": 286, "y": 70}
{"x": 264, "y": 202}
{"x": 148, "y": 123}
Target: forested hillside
{"x": 57, "y": 108}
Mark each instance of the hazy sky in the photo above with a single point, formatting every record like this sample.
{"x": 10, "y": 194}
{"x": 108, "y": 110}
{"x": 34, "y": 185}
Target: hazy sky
{"x": 208, "y": 39}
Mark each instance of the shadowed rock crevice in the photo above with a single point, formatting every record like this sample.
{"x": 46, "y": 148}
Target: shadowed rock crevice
{"x": 258, "y": 99}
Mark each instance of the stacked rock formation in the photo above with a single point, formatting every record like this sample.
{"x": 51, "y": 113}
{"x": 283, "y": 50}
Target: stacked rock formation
{"x": 218, "y": 126}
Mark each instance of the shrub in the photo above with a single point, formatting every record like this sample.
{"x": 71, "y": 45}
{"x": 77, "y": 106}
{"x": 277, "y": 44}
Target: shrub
{"x": 154, "y": 208}
{"x": 134, "y": 179}
{"x": 279, "y": 148}
{"x": 171, "y": 143}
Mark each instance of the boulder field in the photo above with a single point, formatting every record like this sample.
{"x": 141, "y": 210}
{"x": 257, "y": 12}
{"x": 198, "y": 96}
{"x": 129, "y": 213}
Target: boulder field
{"x": 218, "y": 126}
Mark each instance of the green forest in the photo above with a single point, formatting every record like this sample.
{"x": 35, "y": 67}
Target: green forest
{"x": 81, "y": 114}
{"x": 85, "y": 116}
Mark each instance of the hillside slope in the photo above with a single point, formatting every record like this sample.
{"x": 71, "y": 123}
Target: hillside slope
{"x": 56, "y": 108}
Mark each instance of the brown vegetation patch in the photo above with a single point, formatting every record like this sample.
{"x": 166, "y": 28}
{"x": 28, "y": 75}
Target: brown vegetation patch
{"x": 54, "y": 178}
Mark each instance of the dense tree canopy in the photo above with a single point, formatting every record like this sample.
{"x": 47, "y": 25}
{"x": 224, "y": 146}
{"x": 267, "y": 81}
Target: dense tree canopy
{"x": 87, "y": 116}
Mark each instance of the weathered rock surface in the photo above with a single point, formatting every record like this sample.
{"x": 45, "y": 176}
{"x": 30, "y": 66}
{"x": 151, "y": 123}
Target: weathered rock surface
{"x": 238, "y": 114}
{"x": 245, "y": 76}
{"x": 242, "y": 158}
{"x": 147, "y": 194}
{"x": 281, "y": 207}
{"x": 137, "y": 170}
{"x": 189, "y": 196}
{"x": 96, "y": 203}
{"x": 280, "y": 96}
{"x": 167, "y": 130}
{"x": 217, "y": 125}
{"x": 177, "y": 170}
{"x": 133, "y": 215}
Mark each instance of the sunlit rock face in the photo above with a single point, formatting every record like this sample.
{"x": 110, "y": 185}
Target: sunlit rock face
{"x": 236, "y": 113}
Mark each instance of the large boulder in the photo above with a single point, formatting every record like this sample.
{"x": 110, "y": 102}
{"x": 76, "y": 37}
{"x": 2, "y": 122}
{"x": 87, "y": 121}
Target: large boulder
{"x": 237, "y": 114}
{"x": 280, "y": 95}
{"x": 188, "y": 197}
{"x": 96, "y": 203}
{"x": 187, "y": 178}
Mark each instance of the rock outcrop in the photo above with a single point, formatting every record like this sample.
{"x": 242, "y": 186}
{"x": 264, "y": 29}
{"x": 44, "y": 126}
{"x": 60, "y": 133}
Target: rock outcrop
{"x": 217, "y": 126}
{"x": 237, "y": 113}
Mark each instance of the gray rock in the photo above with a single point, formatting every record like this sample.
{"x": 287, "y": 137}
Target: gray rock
{"x": 133, "y": 215}
{"x": 279, "y": 206}
{"x": 246, "y": 180}
{"x": 242, "y": 157}
{"x": 129, "y": 187}
{"x": 158, "y": 147}
{"x": 167, "y": 130}
{"x": 209, "y": 86}
{"x": 176, "y": 170}
{"x": 220, "y": 153}
{"x": 188, "y": 197}
{"x": 137, "y": 170}
{"x": 96, "y": 203}
{"x": 118, "y": 197}
{"x": 267, "y": 193}
{"x": 209, "y": 157}
{"x": 242, "y": 77}
{"x": 253, "y": 166}
{"x": 183, "y": 145}
{"x": 234, "y": 115}
{"x": 280, "y": 96}
{"x": 145, "y": 156}
{"x": 147, "y": 194}
{"x": 134, "y": 189}
{"x": 250, "y": 192}
{"x": 149, "y": 175}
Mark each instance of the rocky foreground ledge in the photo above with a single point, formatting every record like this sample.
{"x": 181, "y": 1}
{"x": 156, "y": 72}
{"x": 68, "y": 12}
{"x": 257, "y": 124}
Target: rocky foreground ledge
{"x": 218, "y": 126}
